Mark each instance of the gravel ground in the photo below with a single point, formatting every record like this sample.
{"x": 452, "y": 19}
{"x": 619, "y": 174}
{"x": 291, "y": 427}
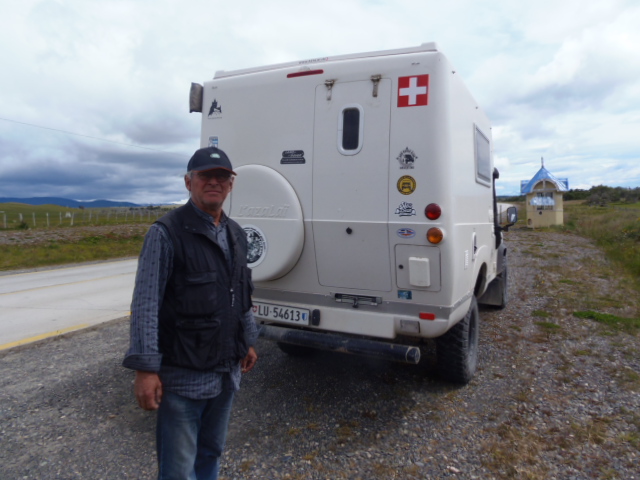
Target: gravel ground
{"x": 555, "y": 397}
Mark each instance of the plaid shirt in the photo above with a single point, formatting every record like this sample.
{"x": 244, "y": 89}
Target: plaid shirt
{"x": 154, "y": 269}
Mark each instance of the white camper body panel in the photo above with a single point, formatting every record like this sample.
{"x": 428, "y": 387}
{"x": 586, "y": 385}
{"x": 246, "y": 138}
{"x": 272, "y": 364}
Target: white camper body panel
{"x": 351, "y": 225}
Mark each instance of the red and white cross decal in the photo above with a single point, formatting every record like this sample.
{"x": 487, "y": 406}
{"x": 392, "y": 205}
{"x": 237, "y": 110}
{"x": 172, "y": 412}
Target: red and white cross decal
{"x": 413, "y": 91}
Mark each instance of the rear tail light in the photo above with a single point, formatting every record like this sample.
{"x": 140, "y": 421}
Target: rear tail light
{"x": 433, "y": 211}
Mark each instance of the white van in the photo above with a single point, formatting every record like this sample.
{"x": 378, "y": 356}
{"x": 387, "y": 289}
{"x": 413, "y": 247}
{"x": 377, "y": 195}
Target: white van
{"x": 366, "y": 187}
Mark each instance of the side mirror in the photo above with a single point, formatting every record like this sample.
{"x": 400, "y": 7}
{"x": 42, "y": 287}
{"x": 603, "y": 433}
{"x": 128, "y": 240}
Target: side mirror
{"x": 512, "y": 217}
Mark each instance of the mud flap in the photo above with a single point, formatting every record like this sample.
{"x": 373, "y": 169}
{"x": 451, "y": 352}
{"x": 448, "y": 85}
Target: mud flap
{"x": 496, "y": 293}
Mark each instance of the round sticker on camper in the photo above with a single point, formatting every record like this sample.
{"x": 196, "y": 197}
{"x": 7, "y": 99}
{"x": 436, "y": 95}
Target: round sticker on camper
{"x": 406, "y": 185}
{"x": 256, "y": 245}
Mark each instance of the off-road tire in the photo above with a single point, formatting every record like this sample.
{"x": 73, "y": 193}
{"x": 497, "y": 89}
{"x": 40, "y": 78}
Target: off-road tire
{"x": 457, "y": 350}
{"x": 295, "y": 350}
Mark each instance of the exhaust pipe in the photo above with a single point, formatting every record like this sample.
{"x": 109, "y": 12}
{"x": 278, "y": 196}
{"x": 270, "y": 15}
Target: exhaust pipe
{"x": 338, "y": 343}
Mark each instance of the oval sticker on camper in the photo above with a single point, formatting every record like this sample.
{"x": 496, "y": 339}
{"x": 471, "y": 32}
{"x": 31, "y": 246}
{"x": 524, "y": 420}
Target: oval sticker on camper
{"x": 256, "y": 245}
{"x": 406, "y": 232}
{"x": 406, "y": 185}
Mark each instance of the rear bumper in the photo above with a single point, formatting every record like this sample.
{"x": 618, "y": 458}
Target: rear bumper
{"x": 385, "y": 321}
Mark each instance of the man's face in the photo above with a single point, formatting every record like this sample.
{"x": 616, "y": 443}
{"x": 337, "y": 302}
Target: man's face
{"x": 209, "y": 189}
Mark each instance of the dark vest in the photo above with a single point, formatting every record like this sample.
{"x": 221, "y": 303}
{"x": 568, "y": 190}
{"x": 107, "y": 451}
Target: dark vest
{"x": 200, "y": 318}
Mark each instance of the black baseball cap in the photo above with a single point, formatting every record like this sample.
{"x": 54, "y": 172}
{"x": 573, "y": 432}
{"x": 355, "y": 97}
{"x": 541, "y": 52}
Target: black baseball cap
{"x": 209, "y": 158}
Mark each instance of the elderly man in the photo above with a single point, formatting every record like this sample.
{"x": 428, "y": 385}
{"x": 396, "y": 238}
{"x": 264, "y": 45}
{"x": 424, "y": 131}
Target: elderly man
{"x": 192, "y": 327}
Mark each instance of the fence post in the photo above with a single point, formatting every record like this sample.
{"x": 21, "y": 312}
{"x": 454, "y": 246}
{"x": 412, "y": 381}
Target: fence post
{"x": 47, "y": 219}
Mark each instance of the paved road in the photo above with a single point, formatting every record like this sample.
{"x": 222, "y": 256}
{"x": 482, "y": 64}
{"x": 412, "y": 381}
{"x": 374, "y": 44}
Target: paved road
{"x": 41, "y": 304}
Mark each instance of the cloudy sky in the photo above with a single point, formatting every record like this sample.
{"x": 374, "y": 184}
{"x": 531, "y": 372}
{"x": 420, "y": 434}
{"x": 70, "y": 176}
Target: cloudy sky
{"x": 94, "y": 95}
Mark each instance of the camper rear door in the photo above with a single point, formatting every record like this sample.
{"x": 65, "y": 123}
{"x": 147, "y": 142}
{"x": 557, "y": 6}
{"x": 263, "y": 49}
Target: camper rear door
{"x": 350, "y": 185}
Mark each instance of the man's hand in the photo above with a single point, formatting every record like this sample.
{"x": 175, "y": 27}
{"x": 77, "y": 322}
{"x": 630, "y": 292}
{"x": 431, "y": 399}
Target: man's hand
{"x": 148, "y": 390}
{"x": 249, "y": 361}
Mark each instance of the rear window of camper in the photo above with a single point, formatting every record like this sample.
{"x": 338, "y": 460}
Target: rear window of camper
{"x": 350, "y": 128}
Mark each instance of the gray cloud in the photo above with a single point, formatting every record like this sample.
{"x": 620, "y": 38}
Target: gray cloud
{"x": 557, "y": 79}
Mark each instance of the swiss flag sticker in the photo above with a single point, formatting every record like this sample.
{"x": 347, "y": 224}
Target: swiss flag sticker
{"x": 413, "y": 91}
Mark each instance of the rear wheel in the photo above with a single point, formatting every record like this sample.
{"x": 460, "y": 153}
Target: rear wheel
{"x": 457, "y": 350}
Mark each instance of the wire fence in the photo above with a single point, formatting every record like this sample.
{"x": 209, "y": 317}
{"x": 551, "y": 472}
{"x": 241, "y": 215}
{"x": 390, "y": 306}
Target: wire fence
{"x": 11, "y": 220}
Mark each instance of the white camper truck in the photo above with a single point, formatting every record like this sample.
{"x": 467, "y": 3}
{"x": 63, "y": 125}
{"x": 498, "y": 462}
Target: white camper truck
{"x": 366, "y": 187}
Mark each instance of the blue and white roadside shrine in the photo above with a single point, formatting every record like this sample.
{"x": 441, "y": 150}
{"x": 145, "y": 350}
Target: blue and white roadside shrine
{"x": 544, "y": 198}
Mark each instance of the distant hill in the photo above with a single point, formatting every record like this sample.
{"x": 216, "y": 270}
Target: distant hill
{"x": 65, "y": 202}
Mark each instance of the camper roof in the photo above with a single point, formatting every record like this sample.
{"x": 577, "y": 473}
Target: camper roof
{"x": 304, "y": 64}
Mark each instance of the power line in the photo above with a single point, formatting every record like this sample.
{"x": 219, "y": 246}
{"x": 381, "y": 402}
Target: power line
{"x": 93, "y": 138}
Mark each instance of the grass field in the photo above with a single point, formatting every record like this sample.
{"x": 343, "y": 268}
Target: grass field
{"x": 45, "y": 235}
{"x": 85, "y": 247}
{"x": 615, "y": 229}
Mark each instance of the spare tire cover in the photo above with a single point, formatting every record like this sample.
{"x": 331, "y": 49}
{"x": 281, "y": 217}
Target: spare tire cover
{"x": 266, "y": 206}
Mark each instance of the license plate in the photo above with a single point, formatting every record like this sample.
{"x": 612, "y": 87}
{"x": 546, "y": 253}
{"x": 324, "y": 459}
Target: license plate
{"x": 281, "y": 313}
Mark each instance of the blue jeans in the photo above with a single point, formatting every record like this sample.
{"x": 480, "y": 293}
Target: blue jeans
{"x": 190, "y": 436}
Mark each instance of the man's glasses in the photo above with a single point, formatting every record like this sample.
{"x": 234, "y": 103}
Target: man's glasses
{"x": 221, "y": 177}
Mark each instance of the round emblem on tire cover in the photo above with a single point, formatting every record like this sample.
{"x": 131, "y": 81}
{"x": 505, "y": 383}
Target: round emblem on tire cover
{"x": 256, "y": 245}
